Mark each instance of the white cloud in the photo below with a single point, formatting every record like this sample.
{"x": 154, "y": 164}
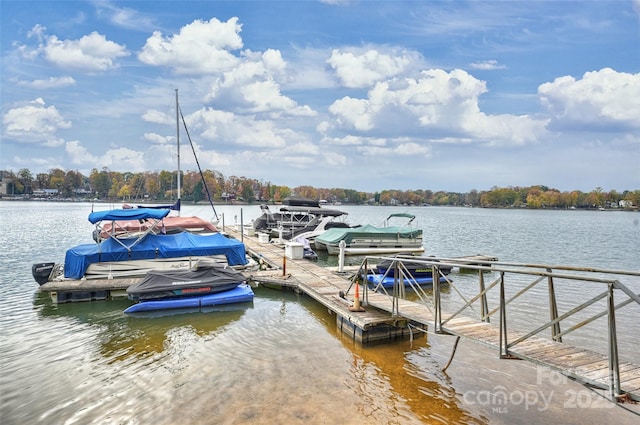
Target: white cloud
{"x": 226, "y": 129}
{"x": 488, "y": 65}
{"x": 124, "y": 159}
{"x": 437, "y": 104}
{"x": 253, "y": 87}
{"x": 354, "y": 113}
{"x": 49, "y": 83}
{"x": 35, "y": 124}
{"x": 604, "y": 99}
{"x": 125, "y": 17}
{"x": 157, "y": 139}
{"x": 157, "y": 117}
{"x": 79, "y": 155}
{"x": 412, "y": 148}
{"x": 91, "y": 53}
{"x": 200, "y": 47}
{"x": 363, "y": 69}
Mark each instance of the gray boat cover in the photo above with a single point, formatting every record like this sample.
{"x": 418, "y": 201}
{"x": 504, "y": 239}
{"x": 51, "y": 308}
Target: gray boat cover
{"x": 159, "y": 284}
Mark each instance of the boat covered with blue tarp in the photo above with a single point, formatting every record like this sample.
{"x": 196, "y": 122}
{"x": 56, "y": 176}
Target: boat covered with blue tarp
{"x": 152, "y": 246}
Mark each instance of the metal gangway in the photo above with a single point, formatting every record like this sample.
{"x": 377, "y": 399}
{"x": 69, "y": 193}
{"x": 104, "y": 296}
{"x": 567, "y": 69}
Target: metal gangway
{"x": 512, "y": 306}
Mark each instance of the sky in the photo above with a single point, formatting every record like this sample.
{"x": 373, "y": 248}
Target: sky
{"x": 363, "y": 95}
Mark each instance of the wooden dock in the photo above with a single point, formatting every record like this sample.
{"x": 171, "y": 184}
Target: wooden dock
{"x": 381, "y": 319}
{"x": 386, "y": 317}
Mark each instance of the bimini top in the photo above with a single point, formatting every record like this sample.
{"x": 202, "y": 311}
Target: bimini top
{"x": 128, "y": 214}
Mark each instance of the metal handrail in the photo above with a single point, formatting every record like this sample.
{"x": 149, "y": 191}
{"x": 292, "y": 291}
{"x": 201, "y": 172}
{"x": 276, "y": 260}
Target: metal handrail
{"x": 541, "y": 272}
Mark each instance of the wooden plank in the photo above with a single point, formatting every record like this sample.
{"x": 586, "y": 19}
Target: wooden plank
{"x": 630, "y": 386}
{"x": 555, "y": 353}
{"x": 602, "y": 372}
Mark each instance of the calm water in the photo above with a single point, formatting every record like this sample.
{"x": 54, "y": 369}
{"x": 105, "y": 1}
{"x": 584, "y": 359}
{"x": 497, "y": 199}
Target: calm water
{"x": 279, "y": 359}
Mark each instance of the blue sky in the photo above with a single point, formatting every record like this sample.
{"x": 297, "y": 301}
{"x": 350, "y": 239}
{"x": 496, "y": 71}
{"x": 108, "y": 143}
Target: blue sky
{"x": 364, "y": 95}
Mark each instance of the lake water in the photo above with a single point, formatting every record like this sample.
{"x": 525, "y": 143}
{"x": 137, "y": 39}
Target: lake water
{"x": 280, "y": 359}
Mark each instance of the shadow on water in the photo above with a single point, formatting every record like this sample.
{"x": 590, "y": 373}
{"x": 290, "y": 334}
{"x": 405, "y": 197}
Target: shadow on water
{"x": 142, "y": 334}
{"x": 421, "y": 386}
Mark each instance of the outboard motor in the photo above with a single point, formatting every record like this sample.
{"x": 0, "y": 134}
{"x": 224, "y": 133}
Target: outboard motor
{"x": 42, "y": 271}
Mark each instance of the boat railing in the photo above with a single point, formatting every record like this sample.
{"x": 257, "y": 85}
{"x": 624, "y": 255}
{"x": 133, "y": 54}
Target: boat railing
{"x": 526, "y": 297}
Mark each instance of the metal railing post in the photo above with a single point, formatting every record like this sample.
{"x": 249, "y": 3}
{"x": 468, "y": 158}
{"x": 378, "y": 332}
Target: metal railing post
{"x": 395, "y": 310}
{"x": 484, "y": 306}
{"x": 504, "y": 352}
{"x": 364, "y": 271}
{"x": 437, "y": 325}
{"x": 614, "y": 365}
{"x": 553, "y": 309}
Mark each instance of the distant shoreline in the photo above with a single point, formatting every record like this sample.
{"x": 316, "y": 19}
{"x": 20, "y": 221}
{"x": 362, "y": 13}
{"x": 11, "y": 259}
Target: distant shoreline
{"x": 240, "y": 203}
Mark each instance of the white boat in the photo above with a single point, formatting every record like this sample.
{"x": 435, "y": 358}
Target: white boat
{"x": 134, "y": 241}
{"x": 118, "y": 257}
{"x": 368, "y": 239}
{"x": 298, "y": 217}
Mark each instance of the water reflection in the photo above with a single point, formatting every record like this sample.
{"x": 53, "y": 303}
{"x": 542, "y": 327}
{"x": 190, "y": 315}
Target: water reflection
{"x": 399, "y": 377}
{"x": 142, "y": 334}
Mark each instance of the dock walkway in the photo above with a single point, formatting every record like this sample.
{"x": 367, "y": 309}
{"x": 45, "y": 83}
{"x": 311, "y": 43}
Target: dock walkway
{"x": 324, "y": 285}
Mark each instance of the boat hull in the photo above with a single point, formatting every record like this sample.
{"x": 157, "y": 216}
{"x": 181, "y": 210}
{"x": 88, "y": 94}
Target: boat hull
{"x": 240, "y": 294}
{"x": 387, "y": 281}
{"x": 368, "y": 249}
{"x": 415, "y": 269}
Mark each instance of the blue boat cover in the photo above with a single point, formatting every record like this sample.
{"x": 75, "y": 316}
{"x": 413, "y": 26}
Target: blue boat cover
{"x": 387, "y": 281}
{"x": 183, "y": 244}
{"x": 128, "y": 214}
{"x": 240, "y": 294}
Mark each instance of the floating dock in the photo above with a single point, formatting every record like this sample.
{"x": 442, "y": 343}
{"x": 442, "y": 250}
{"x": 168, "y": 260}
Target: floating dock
{"x": 387, "y": 317}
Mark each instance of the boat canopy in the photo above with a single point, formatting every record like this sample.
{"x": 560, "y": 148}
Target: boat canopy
{"x": 128, "y": 214}
{"x": 401, "y": 215}
{"x": 183, "y": 244}
{"x": 411, "y": 217}
{"x": 335, "y": 235}
{"x": 299, "y": 201}
{"x": 313, "y": 210}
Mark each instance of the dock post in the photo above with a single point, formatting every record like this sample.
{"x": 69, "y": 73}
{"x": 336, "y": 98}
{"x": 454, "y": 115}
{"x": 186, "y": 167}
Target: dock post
{"x": 342, "y": 245}
{"x": 284, "y": 265}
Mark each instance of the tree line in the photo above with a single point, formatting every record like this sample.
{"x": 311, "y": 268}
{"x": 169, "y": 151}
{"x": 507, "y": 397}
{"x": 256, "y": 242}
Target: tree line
{"x": 196, "y": 187}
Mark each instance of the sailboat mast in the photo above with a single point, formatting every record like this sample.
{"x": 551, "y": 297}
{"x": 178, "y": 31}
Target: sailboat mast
{"x": 178, "y": 143}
